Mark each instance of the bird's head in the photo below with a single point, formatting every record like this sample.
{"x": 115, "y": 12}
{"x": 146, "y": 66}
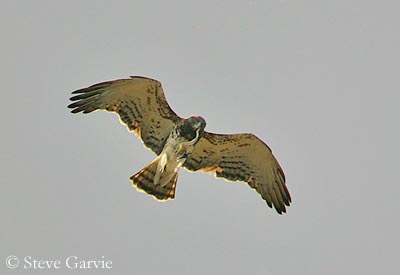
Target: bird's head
{"x": 196, "y": 122}
{"x": 192, "y": 127}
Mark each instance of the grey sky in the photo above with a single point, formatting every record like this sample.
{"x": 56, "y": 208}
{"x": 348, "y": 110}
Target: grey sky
{"x": 317, "y": 80}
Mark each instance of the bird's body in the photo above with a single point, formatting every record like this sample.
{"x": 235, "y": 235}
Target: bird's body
{"x": 178, "y": 142}
{"x": 179, "y": 145}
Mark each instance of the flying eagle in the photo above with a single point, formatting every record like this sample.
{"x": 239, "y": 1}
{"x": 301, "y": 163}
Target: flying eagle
{"x": 178, "y": 142}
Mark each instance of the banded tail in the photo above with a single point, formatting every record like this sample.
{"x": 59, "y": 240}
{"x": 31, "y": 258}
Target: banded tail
{"x": 164, "y": 188}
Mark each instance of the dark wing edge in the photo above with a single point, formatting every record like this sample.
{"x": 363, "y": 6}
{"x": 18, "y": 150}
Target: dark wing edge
{"x": 242, "y": 157}
{"x": 139, "y": 102}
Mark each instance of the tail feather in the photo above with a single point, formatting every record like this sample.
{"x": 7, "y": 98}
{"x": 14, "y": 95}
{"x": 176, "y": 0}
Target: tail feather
{"x": 163, "y": 190}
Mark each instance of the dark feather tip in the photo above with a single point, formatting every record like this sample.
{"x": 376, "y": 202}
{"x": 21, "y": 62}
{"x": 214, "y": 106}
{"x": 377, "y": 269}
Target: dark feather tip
{"x": 80, "y": 91}
{"x": 73, "y": 105}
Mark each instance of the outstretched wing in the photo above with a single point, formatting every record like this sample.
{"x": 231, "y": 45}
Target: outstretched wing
{"x": 139, "y": 102}
{"x": 242, "y": 157}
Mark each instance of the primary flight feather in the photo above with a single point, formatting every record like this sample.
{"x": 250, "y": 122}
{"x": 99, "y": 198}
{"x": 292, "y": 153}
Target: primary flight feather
{"x": 178, "y": 142}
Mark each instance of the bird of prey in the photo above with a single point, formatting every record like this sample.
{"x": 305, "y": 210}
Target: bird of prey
{"x": 178, "y": 142}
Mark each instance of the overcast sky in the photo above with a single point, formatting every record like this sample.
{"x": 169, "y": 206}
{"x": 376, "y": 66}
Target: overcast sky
{"x": 318, "y": 81}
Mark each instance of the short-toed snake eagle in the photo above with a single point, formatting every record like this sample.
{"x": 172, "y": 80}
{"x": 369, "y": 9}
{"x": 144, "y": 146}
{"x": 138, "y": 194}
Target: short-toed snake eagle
{"x": 141, "y": 105}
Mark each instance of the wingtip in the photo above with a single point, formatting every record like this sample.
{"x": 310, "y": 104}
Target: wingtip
{"x": 280, "y": 211}
{"x": 74, "y": 111}
{"x": 72, "y": 105}
{"x": 75, "y": 107}
{"x": 143, "y": 77}
{"x": 79, "y": 91}
{"x": 76, "y": 97}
